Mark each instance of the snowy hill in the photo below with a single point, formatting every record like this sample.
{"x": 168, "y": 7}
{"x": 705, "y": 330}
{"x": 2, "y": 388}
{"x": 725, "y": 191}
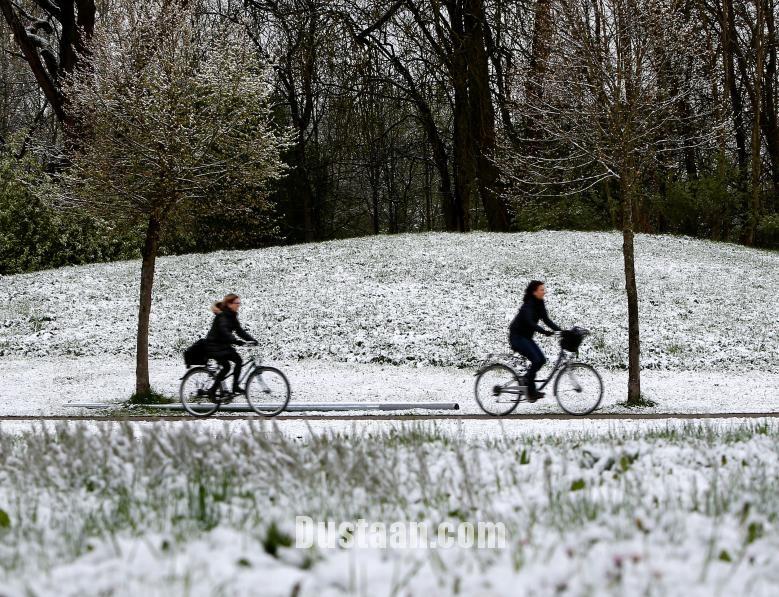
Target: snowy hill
{"x": 434, "y": 299}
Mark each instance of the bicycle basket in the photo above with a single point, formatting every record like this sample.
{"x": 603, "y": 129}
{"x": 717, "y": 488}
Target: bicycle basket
{"x": 571, "y": 340}
{"x": 196, "y": 354}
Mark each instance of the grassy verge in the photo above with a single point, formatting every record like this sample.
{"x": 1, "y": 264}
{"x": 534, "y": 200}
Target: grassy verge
{"x": 703, "y": 492}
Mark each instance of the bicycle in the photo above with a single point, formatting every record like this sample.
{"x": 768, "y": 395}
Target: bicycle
{"x": 267, "y": 389}
{"x": 578, "y": 387}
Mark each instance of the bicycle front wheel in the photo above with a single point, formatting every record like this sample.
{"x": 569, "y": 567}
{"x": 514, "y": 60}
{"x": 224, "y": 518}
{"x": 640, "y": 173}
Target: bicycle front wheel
{"x": 578, "y": 389}
{"x": 267, "y": 391}
{"x": 498, "y": 390}
{"x": 193, "y": 392}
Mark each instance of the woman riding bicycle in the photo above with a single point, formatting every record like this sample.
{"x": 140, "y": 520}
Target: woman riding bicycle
{"x": 521, "y": 331}
{"x": 220, "y": 340}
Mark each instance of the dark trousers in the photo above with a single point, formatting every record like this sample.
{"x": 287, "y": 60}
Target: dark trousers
{"x": 530, "y": 350}
{"x": 224, "y": 359}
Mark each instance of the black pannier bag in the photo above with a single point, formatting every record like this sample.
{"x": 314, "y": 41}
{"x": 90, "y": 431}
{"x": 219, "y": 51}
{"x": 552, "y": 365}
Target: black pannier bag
{"x": 196, "y": 354}
{"x": 570, "y": 340}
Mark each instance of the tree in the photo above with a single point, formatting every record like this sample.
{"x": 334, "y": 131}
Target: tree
{"x": 607, "y": 110}
{"x": 447, "y": 42}
{"x": 296, "y": 36}
{"x": 175, "y": 115}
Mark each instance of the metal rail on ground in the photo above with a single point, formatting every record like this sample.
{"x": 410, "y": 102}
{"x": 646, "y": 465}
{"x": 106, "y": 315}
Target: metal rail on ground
{"x": 307, "y": 407}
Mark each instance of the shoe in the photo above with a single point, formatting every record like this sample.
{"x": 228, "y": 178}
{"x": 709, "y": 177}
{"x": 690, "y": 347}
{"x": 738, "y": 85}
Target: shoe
{"x": 238, "y": 390}
{"x": 535, "y": 397}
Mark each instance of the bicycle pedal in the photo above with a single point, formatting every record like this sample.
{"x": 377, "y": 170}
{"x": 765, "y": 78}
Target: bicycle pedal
{"x": 225, "y": 398}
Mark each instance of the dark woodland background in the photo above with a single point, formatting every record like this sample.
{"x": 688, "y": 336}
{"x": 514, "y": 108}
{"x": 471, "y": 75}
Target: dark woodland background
{"x": 420, "y": 115}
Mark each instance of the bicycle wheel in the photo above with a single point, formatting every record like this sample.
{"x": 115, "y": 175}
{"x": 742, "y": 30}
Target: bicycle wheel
{"x": 498, "y": 390}
{"x": 267, "y": 391}
{"x": 194, "y": 392}
{"x": 578, "y": 389}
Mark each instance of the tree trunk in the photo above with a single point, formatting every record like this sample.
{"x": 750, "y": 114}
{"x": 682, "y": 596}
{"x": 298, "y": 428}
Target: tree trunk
{"x": 463, "y": 149}
{"x": 770, "y": 118}
{"x": 428, "y": 189}
{"x": 729, "y": 39}
{"x": 149, "y": 258}
{"x": 482, "y": 117}
{"x": 375, "y": 209}
{"x": 539, "y": 54}
{"x": 464, "y": 161}
{"x": 502, "y": 85}
{"x": 628, "y": 255}
{"x": 303, "y": 184}
{"x": 754, "y": 204}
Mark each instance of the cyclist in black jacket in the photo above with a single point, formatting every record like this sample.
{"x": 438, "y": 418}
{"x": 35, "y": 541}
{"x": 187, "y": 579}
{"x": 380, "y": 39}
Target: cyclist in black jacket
{"x": 522, "y": 328}
{"x": 221, "y": 337}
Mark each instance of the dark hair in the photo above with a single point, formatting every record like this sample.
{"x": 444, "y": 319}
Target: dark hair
{"x": 531, "y": 288}
{"x": 220, "y": 306}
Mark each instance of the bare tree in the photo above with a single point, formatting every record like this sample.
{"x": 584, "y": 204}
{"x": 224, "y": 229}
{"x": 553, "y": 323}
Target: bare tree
{"x": 608, "y": 111}
{"x": 297, "y": 38}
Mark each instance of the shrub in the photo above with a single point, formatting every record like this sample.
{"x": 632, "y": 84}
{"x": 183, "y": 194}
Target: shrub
{"x": 768, "y": 231}
{"x": 36, "y": 235}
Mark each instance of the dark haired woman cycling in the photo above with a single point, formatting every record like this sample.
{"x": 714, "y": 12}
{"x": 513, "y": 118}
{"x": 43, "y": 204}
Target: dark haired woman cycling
{"x": 220, "y": 340}
{"x": 521, "y": 331}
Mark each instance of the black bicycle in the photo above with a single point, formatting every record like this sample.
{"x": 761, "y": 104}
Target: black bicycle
{"x": 267, "y": 389}
{"x": 500, "y": 382}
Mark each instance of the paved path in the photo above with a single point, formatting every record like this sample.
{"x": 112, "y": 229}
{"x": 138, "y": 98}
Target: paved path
{"x": 432, "y": 417}
{"x": 48, "y": 386}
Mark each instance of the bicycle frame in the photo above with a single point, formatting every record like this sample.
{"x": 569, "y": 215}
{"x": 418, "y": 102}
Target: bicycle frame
{"x": 562, "y": 360}
{"x": 250, "y": 366}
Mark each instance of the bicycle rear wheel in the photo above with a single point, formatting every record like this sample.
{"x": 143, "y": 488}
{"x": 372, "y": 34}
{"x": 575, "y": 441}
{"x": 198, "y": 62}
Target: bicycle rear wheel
{"x": 193, "y": 392}
{"x": 578, "y": 389}
{"x": 267, "y": 391}
{"x": 498, "y": 390}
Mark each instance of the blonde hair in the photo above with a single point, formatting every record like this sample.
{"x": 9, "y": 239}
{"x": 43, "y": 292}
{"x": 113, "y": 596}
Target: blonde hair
{"x": 219, "y": 306}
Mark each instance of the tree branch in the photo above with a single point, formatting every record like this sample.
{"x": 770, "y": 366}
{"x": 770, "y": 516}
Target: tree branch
{"x": 33, "y": 59}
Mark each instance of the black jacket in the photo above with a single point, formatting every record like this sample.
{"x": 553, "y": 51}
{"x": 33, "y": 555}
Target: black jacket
{"x": 525, "y": 323}
{"x": 224, "y": 328}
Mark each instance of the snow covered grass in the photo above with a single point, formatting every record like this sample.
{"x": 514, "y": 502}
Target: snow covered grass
{"x": 434, "y": 299}
{"x": 687, "y": 509}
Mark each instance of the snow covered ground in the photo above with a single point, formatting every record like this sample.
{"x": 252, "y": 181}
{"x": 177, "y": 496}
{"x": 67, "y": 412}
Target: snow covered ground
{"x": 154, "y": 509}
{"x": 406, "y": 318}
{"x": 206, "y": 508}
{"x": 430, "y": 299}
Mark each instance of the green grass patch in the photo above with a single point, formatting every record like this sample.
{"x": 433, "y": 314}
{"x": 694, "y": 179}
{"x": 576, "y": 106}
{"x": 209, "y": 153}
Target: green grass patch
{"x": 151, "y": 397}
{"x": 643, "y": 401}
